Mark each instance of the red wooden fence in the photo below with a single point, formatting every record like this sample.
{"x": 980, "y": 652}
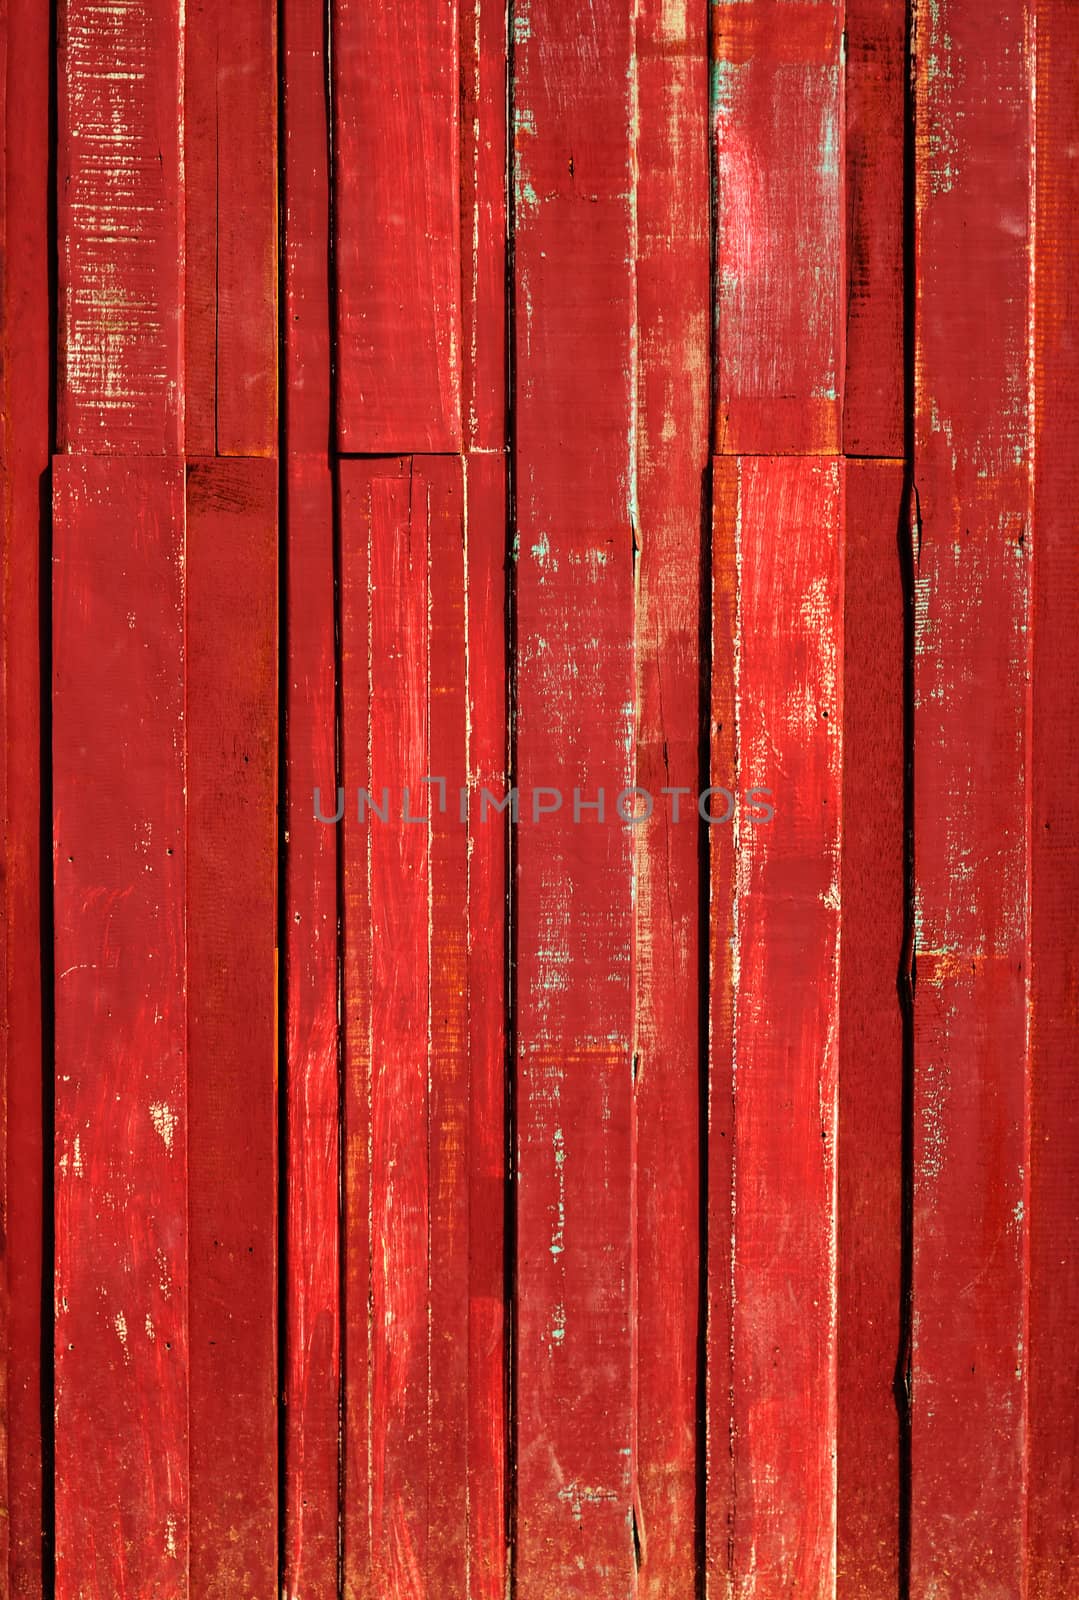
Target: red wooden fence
{"x": 614, "y": 459}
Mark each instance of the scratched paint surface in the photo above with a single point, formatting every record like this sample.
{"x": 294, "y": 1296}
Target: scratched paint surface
{"x": 455, "y": 1201}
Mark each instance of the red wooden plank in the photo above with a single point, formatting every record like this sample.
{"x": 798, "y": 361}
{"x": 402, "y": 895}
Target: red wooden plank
{"x": 231, "y": 721}
{"x": 575, "y": 472}
{"x": 312, "y": 1253}
{"x": 120, "y": 226}
{"x": 487, "y": 891}
{"x": 312, "y": 1375}
{"x": 1053, "y": 1522}
{"x": 673, "y": 396}
{"x": 871, "y": 1066}
{"x": 779, "y": 1061}
{"x": 483, "y": 233}
{"x": 973, "y": 97}
{"x": 875, "y": 84}
{"x": 230, "y": 183}
{"x": 25, "y": 352}
{"x": 247, "y": 229}
{"x": 780, "y": 280}
{"x": 397, "y": 197}
{"x": 121, "y": 1070}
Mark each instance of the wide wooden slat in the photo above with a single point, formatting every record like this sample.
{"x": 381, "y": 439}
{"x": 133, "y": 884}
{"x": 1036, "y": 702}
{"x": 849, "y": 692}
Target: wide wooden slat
{"x": 1053, "y": 1440}
{"x": 121, "y": 1350}
{"x": 774, "y": 1054}
{"x": 312, "y": 1266}
{"x": 231, "y": 721}
{"x": 871, "y": 1066}
{"x": 973, "y": 428}
{"x": 25, "y": 356}
{"x": 780, "y": 278}
{"x": 397, "y": 199}
{"x": 120, "y": 226}
{"x": 875, "y": 122}
{"x": 573, "y": 98}
{"x": 673, "y": 398}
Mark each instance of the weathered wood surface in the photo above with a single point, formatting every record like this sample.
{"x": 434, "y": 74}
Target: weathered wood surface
{"x": 672, "y": 396}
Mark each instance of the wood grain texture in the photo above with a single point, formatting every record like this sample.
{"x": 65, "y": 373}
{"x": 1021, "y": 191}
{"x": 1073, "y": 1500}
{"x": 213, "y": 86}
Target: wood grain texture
{"x": 871, "y": 1065}
{"x": 484, "y": 62}
{"x": 312, "y": 1267}
{"x": 973, "y": 431}
{"x": 672, "y": 422}
{"x": 777, "y": 105}
{"x": 1053, "y": 1442}
{"x": 574, "y": 189}
{"x": 875, "y": 121}
{"x": 230, "y": 218}
{"x": 121, "y": 247}
{"x": 121, "y": 1352}
{"x": 779, "y": 996}
{"x": 231, "y": 907}
{"x": 397, "y": 209}
{"x": 25, "y": 355}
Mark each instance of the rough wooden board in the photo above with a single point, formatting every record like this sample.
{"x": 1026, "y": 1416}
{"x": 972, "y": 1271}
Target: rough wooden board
{"x": 120, "y": 227}
{"x": 1053, "y": 1441}
{"x": 397, "y": 211}
{"x": 231, "y": 910}
{"x": 121, "y": 1339}
{"x": 782, "y": 1007}
{"x": 672, "y": 420}
{"x": 777, "y": 105}
{"x": 575, "y": 729}
{"x": 871, "y": 1064}
{"x": 973, "y": 433}
{"x": 25, "y": 352}
{"x": 875, "y": 121}
{"x": 484, "y": 63}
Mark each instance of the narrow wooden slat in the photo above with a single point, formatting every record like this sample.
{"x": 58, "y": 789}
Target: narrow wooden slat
{"x": 483, "y": 210}
{"x": 871, "y": 1063}
{"x": 121, "y": 1048}
{"x": 312, "y": 1266}
{"x": 487, "y": 936}
{"x": 397, "y": 197}
{"x": 231, "y": 722}
{"x": 779, "y": 996}
{"x": 200, "y": 226}
{"x": 875, "y": 117}
{"x": 247, "y": 229}
{"x": 25, "y": 350}
{"x": 973, "y": 424}
{"x": 780, "y": 283}
{"x": 673, "y": 396}
{"x": 120, "y": 226}
{"x": 573, "y": 98}
{"x": 1053, "y": 1448}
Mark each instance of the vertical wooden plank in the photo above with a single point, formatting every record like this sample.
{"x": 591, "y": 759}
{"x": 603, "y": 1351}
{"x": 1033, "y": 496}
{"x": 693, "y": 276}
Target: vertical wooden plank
{"x": 875, "y": 120}
{"x": 1053, "y": 1525}
{"x": 673, "y": 398}
{"x": 777, "y": 102}
{"x": 488, "y": 887}
{"x": 312, "y": 1374}
{"x": 247, "y": 229}
{"x": 483, "y": 212}
{"x": 783, "y": 1013}
{"x": 120, "y": 226}
{"x": 25, "y": 353}
{"x": 973, "y": 424}
{"x": 200, "y": 226}
{"x": 231, "y": 722}
{"x": 388, "y": 1031}
{"x": 121, "y": 1048}
{"x": 871, "y": 1064}
{"x": 573, "y": 98}
{"x": 397, "y": 198}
